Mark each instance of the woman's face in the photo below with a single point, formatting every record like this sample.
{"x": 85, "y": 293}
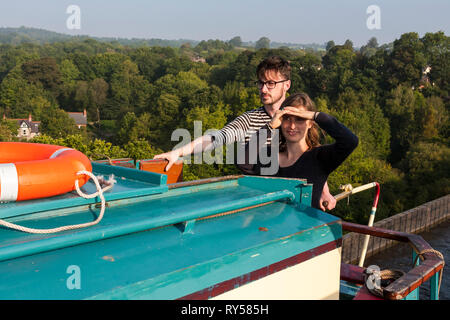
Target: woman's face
{"x": 294, "y": 128}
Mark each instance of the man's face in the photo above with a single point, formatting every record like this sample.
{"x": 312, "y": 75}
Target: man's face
{"x": 278, "y": 93}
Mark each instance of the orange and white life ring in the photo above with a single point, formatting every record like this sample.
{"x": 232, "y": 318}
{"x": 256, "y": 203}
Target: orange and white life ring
{"x": 33, "y": 170}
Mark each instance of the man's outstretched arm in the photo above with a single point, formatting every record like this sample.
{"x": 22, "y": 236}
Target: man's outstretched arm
{"x": 233, "y": 131}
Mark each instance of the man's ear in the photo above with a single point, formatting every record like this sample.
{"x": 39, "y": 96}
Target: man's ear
{"x": 287, "y": 85}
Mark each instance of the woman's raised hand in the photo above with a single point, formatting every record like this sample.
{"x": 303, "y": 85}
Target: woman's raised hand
{"x": 276, "y": 119}
{"x": 305, "y": 114}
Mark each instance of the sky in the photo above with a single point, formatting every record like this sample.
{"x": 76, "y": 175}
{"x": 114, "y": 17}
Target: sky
{"x": 294, "y": 21}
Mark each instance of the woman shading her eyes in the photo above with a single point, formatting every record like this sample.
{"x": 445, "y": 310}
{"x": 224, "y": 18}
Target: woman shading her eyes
{"x": 300, "y": 154}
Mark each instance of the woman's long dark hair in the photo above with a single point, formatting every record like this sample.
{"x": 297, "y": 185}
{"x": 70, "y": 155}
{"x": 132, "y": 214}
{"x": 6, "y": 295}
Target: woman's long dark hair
{"x": 302, "y": 100}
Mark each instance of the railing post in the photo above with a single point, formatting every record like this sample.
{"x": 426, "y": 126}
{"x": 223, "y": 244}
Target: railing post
{"x": 434, "y": 286}
{"x": 414, "y": 295}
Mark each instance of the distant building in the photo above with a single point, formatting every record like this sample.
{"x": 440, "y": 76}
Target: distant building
{"x": 425, "y": 79}
{"x": 79, "y": 117}
{"x": 198, "y": 58}
{"x": 28, "y": 128}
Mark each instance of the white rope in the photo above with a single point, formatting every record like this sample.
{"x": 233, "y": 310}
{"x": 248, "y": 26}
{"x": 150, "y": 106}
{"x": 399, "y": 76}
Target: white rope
{"x": 99, "y": 193}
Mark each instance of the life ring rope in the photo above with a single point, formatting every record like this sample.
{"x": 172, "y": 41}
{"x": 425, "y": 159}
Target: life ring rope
{"x": 99, "y": 193}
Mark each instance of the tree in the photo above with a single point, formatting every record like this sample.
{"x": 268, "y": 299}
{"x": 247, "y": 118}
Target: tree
{"x": 432, "y": 118}
{"x": 98, "y": 93}
{"x": 210, "y": 117}
{"x": 437, "y": 54}
{"x": 133, "y": 128}
{"x": 338, "y": 64}
{"x": 370, "y": 48}
{"x": 359, "y": 111}
{"x": 427, "y": 166}
{"x": 57, "y": 123}
{"x": 372, "y": 43}
{"x": 401, "y": 109}
{"x": 235, "y": 41}
{"x": 141, "y": 149}
{"x": 371, "y": 72}
{"x": 105, "y": 65}
{"x": 129, "y": 90}
{"x": 348, "y": 44}
{"x": 212, "y": 45}
{"x": 305, "y": 74}
{"x": 69, "y": 72}
{"x": 263, "y": 42}
{"x": 81, "y": 99}
{"x": 8, "y": 130}
{"x": 406, "y": 61}
{"x": 84, "y": 65}
{"x": 166, "y": 118}
{"x": 149, "y": 62}
{"x": 330, "y": 44}
{"x": 239, "y": 99}
{"x": 19, "y": 98}
{"x": 174, "y": 66}
{"x": 44, "y": 71}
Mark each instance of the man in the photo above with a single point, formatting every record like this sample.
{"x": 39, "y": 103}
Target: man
{"x": 273, "y": 83}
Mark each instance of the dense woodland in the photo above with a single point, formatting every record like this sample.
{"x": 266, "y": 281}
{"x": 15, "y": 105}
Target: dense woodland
{"x": 136, "y": 95}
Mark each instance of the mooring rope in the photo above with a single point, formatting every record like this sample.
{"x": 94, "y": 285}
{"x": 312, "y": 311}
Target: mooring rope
{"x": 374, "y": 276}
{"x": 109, "y": 185}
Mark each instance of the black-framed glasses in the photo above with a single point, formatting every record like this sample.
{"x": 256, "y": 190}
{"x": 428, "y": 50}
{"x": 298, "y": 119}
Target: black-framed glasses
{"x": 269, "y": 84}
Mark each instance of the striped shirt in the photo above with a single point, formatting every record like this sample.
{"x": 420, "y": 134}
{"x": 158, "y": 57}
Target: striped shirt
{"x": 242, "y": 128}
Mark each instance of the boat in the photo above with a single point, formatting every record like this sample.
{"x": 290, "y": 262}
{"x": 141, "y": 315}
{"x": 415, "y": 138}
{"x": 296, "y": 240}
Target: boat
{"x": 234, "y": 238}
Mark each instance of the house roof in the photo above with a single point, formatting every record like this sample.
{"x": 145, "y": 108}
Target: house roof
{"x": 79, "y": 117}
{"x": 33, "y": 125}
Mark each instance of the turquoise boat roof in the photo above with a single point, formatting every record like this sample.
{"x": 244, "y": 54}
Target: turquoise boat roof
{"x": 156, "y": 241}
{"x": 129, "y": 183}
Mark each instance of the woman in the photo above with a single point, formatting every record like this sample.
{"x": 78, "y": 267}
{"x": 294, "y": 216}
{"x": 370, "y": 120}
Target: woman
{"x": 301, "y": 155}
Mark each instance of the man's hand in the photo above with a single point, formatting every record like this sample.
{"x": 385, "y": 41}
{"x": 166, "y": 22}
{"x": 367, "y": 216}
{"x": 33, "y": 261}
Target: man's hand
{"x": 327, "y": 201}
{"x": 171, "y": 156}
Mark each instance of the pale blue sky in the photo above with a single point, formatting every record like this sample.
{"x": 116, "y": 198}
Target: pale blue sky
{"x": 296, "y": 21}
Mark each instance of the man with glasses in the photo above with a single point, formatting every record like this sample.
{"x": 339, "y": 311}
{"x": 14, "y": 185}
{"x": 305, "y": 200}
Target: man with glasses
{"x": 273, "y": 82}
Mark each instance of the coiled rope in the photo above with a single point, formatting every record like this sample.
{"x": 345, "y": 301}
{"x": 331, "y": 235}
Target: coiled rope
{"x": 97, "y": 180}
{"x": 373, "y": 277}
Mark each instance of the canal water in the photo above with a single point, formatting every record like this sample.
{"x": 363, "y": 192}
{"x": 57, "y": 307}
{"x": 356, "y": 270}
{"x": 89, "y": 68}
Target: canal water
{"x": 400, "y": 257}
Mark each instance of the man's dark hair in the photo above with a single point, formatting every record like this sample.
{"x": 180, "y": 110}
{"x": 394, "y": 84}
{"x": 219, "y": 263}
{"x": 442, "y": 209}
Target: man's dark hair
{"x": 274, "y": 63}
